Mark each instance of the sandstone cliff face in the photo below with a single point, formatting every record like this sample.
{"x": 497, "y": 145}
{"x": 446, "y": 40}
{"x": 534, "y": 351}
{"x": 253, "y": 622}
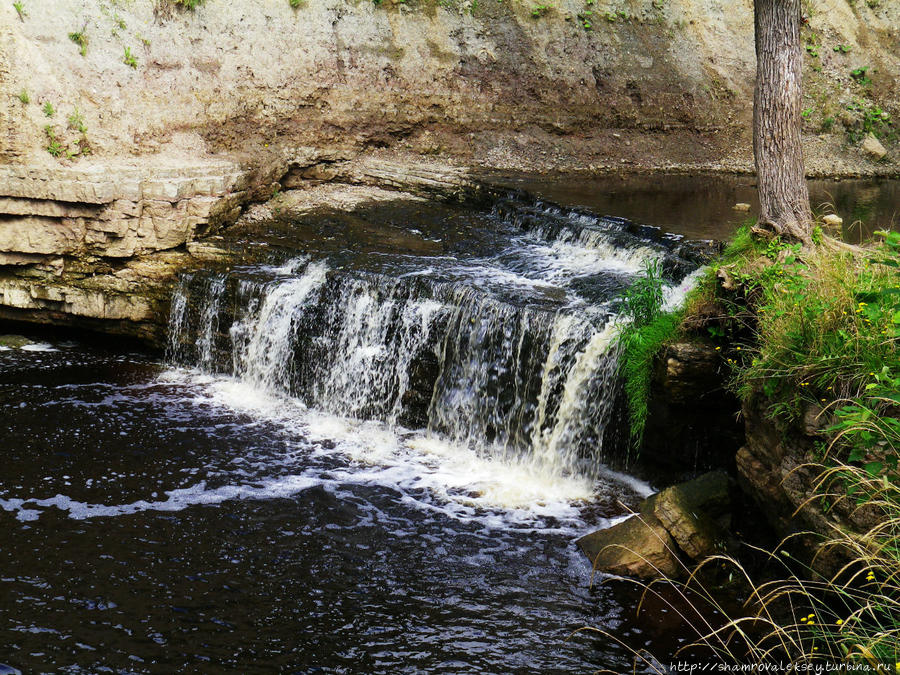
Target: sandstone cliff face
{"x": 105, "y": 157}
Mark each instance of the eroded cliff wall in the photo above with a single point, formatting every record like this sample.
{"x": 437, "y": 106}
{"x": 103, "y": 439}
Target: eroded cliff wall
{"x": 133, "y": 126}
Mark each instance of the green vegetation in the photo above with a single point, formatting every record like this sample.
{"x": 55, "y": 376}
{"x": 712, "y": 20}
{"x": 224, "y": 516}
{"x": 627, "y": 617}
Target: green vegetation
{"x": 869, "y": 119}
{"x": 827, "y": 321}
{"x": 647, "y": 329}
{"x": 54, "y": 147}
{"x": 76, "y": 122}
{"x": 861, "y": 76}
{"x": 20, "y": 10}
{"x": 295, "y": 3}
{"x": 129, "y": 59}
{"x": 806, "y": 329}
{"x": 80, "y": 39}
{"x": 24, "y": 97}
{"x": 188, "y": 4}
{"x": 48, "y": 109}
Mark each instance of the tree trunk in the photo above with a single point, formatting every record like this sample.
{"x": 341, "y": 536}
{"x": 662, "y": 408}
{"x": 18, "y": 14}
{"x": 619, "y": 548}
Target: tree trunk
{"x": 783, "y": 195}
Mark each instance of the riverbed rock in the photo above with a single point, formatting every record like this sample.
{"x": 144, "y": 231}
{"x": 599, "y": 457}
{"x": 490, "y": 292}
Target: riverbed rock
{"x": 639, "y": 546}
{"x": 872, "y": 147}
{"x": 14, "y": 341}
{"x": 696, "y": 514}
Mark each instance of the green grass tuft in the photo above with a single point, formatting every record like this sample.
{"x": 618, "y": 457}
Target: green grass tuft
{"x": 640, "y": 345}
{"x": 646, "y": 331}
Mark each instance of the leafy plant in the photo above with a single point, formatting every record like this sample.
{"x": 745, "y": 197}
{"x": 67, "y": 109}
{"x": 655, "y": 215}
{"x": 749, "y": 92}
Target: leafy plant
{"x": 295, "y": 3}
{"x": 843, "y": 49}
{"x": 20, "y": 10}
{"x": 24, "y": 97}
{"x": 48, "y": 109}
{"x": 54, "y": 147}
{"x": 80, "y": 39}
{"x": 76, "y": 122}
{"x": 861, "y": 76}
{"x": 540, "y": 10}
{"x": 871, "y": 119}
{"x": 129, "y": 59}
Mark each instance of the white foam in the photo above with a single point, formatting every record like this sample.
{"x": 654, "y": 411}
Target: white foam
{"x": 178, "y": 500}
{"x": 451, "y": 474}
{"x": 39, "y": 347}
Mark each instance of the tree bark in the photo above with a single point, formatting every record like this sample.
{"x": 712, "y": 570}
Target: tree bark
{"x": 783, "y": 194}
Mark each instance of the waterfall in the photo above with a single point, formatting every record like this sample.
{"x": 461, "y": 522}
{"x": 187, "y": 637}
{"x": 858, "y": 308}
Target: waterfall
{"x": 511, "y": 355}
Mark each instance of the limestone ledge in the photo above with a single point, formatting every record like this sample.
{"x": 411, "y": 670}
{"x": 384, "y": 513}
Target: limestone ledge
{"x": 114, "y": 211}
{"x": 96, "y": 303}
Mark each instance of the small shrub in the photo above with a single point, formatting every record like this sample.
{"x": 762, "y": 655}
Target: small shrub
{"x": 20, "y": 10}
{"x": 80, "y": 39}
{"x": 129, "y": 59}
{"x": 295, "y": 3}
{"x": 861, "y": 76}
{"x": 48, "y": 109}
{"x": 76, "y": 122}
{"x": 54, "y": 147}
{"x": 24, "y": 97}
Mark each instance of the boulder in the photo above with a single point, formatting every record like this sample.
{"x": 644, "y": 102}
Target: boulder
{"x": 695, "y": 514}
{"x": 638, "y": 546}
{"x": 833, "y": 220}
{"x": 741, "y": 206}
{"x": 14, "y": 341}
{"x": 872, "y": 147}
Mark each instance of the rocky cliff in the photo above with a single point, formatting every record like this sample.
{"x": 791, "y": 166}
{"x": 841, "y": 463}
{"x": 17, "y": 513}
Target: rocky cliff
{"x": 131, "y": 127}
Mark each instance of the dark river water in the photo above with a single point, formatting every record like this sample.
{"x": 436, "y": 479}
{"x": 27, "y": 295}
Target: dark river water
{"x": 370, "y": 449}
{"x": 165, "y": 532}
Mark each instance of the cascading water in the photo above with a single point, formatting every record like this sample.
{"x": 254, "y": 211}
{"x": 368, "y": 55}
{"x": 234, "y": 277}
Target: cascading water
{"x": 507, "y": 355}
{"x": 370, "y": 450}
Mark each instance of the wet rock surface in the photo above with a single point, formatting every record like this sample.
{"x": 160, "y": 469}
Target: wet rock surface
{"x": 688, "y": 521}
{"x": 639, "y": 546}
{"x": 692, "y": 421}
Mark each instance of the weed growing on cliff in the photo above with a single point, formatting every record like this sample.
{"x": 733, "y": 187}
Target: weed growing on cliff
{"x": 20, "y": 10}
{"x": 80, "y": 38}
{"x": 188, "y": 4}
{"x": 24, "y": 98}
{"x": 861, "y": 76}
{"x": 48, "y": 109}
{"x": 76, "y": 122}
{"x": 295, "y": 3}
{"x": 647, "y": 329}
{"x": 129, "y": 59}
{"x": 54, "y": 147}
{"x": 870, "y": 119}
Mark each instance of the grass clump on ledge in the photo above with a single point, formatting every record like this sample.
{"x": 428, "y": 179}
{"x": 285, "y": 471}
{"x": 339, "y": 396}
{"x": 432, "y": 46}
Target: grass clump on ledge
{"x": 648, "y": 328}
{"x": 823, "y": 346}
{"x": 826, "y": 339}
